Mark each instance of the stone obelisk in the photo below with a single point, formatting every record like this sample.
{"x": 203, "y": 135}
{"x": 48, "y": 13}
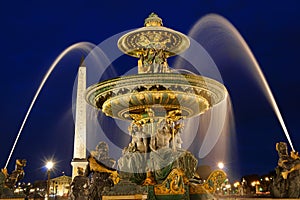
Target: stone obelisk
{"x": 79, "y": 154}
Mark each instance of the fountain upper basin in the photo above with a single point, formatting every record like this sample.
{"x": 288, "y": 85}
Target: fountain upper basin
{"x": 129, "y": 97}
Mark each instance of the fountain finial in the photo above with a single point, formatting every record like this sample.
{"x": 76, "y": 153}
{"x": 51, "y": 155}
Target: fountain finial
{"x": 153, "y": 44}
{"x": 153, "y": 20}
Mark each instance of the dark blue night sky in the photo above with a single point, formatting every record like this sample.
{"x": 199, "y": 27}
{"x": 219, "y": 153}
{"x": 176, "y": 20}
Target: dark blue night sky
{"x": 34, "y": 33}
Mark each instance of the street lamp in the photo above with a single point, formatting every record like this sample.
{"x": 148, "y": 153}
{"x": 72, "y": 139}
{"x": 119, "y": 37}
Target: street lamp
{"x": 256, "y": 184}
{"x": 49, "y": 166}
{"x": 221, "y": 165}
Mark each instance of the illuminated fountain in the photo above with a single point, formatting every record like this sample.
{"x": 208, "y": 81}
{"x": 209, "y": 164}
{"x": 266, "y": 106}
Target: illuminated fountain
{"x": 155, "y": 102}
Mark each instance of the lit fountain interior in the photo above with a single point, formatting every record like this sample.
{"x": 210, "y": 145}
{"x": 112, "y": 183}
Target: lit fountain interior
{"x": 155, "y": 102}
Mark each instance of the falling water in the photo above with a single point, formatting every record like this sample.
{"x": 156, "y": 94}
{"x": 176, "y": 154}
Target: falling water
{"x": 208, "y": 127}
{"x": 84, "y": 46}
{"x": 221, "y": 29}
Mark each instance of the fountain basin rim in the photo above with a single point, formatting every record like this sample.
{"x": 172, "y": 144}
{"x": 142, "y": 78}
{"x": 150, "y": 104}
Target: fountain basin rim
{"x": 123, "y": 96}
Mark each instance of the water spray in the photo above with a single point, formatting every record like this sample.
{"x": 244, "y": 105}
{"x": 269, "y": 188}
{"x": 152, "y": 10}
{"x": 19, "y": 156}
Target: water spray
{"x": 80, "y": 45}
{"x": 226, "y": 25}
{"x": 267, "y": 88}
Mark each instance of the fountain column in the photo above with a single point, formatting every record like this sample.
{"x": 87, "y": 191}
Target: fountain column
{"x": 79, "y": 154}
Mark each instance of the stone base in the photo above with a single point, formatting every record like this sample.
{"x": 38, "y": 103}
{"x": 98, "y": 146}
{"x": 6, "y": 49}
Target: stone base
{"x": 124, "y": 188}
{"x": 78, "y": 162}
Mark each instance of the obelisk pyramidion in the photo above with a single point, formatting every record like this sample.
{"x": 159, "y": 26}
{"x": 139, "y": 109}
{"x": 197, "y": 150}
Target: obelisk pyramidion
{"x": 79, "y": 154}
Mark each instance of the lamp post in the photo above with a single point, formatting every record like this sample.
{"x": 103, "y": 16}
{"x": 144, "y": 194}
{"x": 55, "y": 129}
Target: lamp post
{"x": 49, "y": 166}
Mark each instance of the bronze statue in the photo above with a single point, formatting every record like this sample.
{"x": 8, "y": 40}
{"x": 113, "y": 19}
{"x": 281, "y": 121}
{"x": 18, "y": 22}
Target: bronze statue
{"x": 8, "y": 181}
{"x": 101, "y": 154}
{"x": 16, "y": 175}
{"x": 153, "y": 60}
{"x": 79, "y": 186}
{"x": 286, "y": 184}
{"x": 101, "y": 172}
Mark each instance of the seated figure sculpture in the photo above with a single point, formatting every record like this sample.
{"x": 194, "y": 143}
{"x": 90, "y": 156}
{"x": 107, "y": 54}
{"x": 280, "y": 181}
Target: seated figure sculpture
{"x": 17, "y": 174}
{"x": 79, "y": 186}
{"x": 9, "y": 181}
{"x": 100, "y": 170}
{"x": 167, "y": 154}
{"x": 101, "y": 154}
{"x": 149, "y": 158}
{"x": 287, "y": 181}
{"x": 133, "y": 162}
